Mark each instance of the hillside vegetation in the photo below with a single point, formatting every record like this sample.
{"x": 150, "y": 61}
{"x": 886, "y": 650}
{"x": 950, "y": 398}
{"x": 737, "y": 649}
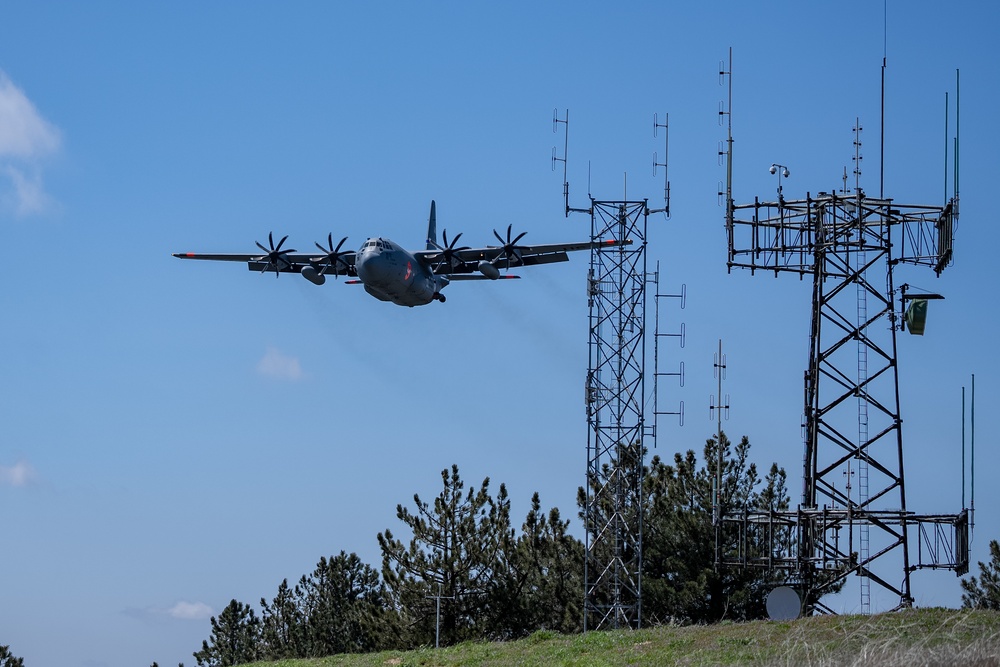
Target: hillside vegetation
{"x": 908, "y": 638}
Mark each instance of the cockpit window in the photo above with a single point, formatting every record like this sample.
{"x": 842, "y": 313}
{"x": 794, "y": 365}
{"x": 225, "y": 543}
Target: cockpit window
{"x": 376, "y": 243}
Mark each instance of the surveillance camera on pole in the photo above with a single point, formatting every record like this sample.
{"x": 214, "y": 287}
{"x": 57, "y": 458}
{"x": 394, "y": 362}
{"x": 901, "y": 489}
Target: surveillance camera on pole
{"x": 784, "y": 172}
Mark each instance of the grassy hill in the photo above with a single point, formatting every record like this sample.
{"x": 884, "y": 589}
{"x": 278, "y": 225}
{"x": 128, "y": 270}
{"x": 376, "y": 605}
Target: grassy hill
{"x": 909, "y": 638}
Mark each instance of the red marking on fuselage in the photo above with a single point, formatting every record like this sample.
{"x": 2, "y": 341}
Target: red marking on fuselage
{"x": 409, "y": 271}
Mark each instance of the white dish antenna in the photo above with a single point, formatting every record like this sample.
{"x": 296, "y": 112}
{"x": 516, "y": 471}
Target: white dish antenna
{"x": 783, "y": 604}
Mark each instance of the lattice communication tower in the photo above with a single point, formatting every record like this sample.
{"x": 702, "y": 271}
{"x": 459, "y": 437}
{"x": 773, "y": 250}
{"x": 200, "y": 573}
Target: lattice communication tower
{"x": 615, "y": 402}
{"x": 852, "y": 422}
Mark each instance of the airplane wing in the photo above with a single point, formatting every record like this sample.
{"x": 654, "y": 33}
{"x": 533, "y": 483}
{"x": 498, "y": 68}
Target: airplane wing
{"x": 467, "y": 260}
{"x": 313, "y": 266}
{"x": 288, "y": 262}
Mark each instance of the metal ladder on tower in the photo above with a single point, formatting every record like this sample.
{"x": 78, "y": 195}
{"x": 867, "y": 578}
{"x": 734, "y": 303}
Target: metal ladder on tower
{"x": 864, "y": 546}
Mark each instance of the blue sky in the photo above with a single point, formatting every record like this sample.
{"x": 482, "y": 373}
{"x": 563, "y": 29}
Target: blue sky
{"x": 175, "y": 435}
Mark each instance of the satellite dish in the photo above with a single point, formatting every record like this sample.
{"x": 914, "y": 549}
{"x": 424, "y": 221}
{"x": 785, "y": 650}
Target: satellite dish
{"x": 783, "y": 604}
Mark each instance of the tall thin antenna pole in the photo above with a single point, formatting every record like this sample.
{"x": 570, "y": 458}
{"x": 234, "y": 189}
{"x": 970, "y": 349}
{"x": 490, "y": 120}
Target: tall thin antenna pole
{"x": 963, "y": 447}
{"x": 718, "y": 405}
{"x": 729, "y": 138}
{"x": 885, "y": 39}
{"x": 957, "y": 117}
{"x": 972, "y": 499}
{"x": 437, "y": 621}
{"x": 566, "y": 164}
{"x": 437, "y": 614}
{"x": 947, "y": 141}
{"x": 718, "y": 462}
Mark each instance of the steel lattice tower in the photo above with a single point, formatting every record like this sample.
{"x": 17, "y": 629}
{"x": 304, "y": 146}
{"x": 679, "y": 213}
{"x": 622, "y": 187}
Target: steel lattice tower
{"x": 840, "y": 241}
{"x": 615, "y": 403}
{"x": 615, "y": 399}
{"x": 851, "y": 394}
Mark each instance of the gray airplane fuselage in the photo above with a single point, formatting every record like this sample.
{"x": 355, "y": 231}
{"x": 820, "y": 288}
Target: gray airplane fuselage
{"x": 390, "y": 273}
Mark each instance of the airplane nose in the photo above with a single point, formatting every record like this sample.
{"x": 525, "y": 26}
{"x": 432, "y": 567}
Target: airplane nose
{"x": 369, "y": 269}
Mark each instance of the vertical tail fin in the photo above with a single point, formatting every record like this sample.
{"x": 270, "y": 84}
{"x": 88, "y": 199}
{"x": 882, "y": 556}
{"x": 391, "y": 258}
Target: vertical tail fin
{"x": 432, "y": 229}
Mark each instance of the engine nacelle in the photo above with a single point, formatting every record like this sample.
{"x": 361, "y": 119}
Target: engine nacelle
{"x": 488, "y": 270}
{"x": 310, "y": 273}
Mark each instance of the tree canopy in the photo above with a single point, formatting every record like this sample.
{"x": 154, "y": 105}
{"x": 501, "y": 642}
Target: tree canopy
{"x": 235, "y": 638}
{"x": 340, "y": 608}
{"x": 984, "y": 592}
{"x": 461, "y": 566}
{"x": 681, "y": 581}
{"x": 7, "y": 659}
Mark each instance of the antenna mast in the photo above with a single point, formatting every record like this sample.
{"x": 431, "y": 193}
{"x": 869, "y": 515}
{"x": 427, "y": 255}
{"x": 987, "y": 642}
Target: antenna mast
{"x": 717, "y": 407}
{"x": 838, "y": 240}
{"x": 615, "y": 399}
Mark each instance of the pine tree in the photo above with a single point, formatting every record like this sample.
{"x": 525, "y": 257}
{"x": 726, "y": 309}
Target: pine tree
{"x": 680, "y": 580}
{"x": 984, "y": 592}
{"x": 455, "y": 553}
{"x": 235, "y": 638}
{"x": 545, "y": 577}
{"x": 341, "y": 607}
{"x": 346, "y": 607}
{"x": 7, "y": 659}
{"x": 283, "y": 625}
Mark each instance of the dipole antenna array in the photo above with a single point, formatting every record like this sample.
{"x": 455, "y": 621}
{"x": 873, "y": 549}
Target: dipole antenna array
{"x": 666, "y": 177}
{"x": 840, "y": 240}
{"x": 615, "y": 392}
{"x": 556, "y": 121}
{"x": 681, "y": 336}
{"x": 726, "y": 116}
{"x": 718, "y": 408}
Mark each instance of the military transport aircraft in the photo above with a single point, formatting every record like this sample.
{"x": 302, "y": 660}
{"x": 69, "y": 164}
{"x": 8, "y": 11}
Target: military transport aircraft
{"x": 405, "y": 277}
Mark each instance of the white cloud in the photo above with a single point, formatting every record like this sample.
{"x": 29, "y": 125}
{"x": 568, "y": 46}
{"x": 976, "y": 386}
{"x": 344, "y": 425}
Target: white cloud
{"x": 20, "y": 474}
{"x": 28, "y": 196}
{"x": 190, "y": 611}
{"x": 23, "y": 131}
{"x": 181, "y": 611}
{"x": 25, "y": 140}
{"x": 276, "y": 364}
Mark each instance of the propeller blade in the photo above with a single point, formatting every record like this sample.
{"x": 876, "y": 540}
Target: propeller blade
{"x": 509, "y": 249}
{"x": 331, "y": 256}
{"x": 449, "y": 252}
{"x": 273, "y": 255}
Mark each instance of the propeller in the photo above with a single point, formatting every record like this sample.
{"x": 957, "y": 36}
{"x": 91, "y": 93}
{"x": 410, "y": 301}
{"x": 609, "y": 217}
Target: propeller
{"x": 274, "y": 255}
{"x": 449, "y": 252}
{"x": 509, "y": 248}
{"x": 332, "y": 258}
